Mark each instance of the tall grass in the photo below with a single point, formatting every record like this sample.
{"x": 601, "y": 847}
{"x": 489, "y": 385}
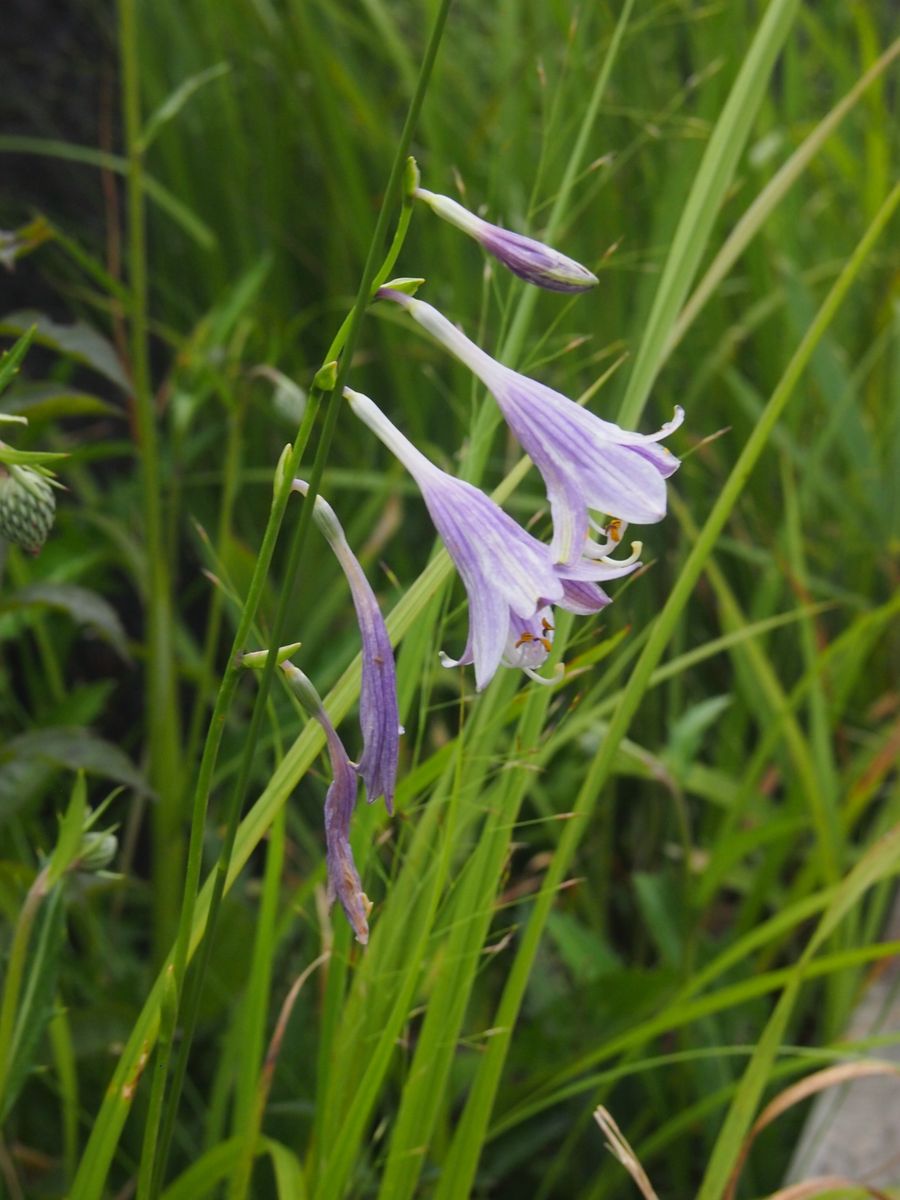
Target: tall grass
{"x": 660, "y": 884}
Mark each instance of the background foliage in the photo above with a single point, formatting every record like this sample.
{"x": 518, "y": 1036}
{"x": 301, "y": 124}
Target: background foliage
{"x": 661, "y": 951}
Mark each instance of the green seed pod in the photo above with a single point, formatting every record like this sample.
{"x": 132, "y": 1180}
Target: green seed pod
{"x": 27, "y": 508}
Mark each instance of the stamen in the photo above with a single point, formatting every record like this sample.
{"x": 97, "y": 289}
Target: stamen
{"x": 526, "y": 637}
{"x": 595, "y": 551}
{"x": 546, "y": 626}
{"x": 636, "y": 551}
{"x": 612, "y": 531}
{"x": 546, "y": 643}
{"x": 558, "y": 671}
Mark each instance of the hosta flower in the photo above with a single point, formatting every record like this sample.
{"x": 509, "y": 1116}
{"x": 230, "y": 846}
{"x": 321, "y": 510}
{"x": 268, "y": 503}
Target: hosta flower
{"x": 509, "y": 576}
{"x": 528, "y": 642}
{"x": 586, "y": 463}
{"x": 525, "y": 257}
{"x": 343, "y": 877}
{"x": 378, "y": 714}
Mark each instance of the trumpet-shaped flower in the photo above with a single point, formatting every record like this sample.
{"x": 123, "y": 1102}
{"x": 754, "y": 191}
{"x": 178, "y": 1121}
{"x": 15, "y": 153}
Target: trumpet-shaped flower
{"x": 378, "y": 714}
{"x": 509, "y": 576}
{"x": 343, "y": 878}
{"x": 529, "y": 259}
{"x": 586, "y": 463}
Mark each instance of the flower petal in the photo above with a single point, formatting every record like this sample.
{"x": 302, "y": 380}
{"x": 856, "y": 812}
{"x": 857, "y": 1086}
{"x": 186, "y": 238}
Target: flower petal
{"x": 343, "y": 877}
{"x": 586, "y": 462}
{"x": 378, "y": 710}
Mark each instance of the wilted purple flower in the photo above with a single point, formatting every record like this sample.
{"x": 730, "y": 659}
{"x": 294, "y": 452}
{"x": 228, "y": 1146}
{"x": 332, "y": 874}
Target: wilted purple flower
{"x": 509, "y": 575}
{"x": 378, "y": 713}
{"x": 343, "y": 877}
{"x": 586, "y": 463}
{"x": 525, "y": 257}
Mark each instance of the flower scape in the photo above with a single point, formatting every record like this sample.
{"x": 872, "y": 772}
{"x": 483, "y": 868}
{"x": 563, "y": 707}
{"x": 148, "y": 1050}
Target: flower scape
{"x": 591, "y": 468}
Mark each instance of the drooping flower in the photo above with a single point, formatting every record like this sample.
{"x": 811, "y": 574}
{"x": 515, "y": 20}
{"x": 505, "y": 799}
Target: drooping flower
{"x": 343, "y": 877}
{"x": 509, "y": 576}
{"x": 529, "y": 259}
{"x": 378, "y": 713}
{"x": 586, "y": 462}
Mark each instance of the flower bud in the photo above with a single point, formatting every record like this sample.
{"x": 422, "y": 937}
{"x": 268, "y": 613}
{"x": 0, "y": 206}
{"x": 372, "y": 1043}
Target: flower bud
{"x": 524, "y": 256}
{"x": 97, "y": 850}
{"x": 27, "y": 507}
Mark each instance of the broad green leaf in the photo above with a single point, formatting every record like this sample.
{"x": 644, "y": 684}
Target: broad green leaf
{"x": 84, "y": 606}
{"x": 63, "y": 748}
{"x": 686, "y": 735}
{"x": 53, "y": 402}
{"x": 79, "y": 341}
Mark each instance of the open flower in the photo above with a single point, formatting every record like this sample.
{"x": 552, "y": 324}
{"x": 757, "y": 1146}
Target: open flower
{"x": 509, "y": 576}
{"x": 343, "y": 877}
{"x": 528, "y": 643}
{"x": 586, "y": 463}
{"x": 525, "y": 257}
{"x": 378, "y": 713}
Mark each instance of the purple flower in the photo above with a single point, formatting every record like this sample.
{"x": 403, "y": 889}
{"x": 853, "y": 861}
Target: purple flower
{"x": 343, "y": 877}
{"x": 378, "y": 713}
{"x": 510, "y": 576}
{"x": 586, "y": 463}
{"x": 530, "y": 260}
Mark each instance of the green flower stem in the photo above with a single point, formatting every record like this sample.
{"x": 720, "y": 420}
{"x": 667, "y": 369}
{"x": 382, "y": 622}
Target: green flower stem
{"x": 15, "y": 970}
{"x": 214, "y": 617}
{"x": 156, "y": 1147}
{"x": 160, "y": 686}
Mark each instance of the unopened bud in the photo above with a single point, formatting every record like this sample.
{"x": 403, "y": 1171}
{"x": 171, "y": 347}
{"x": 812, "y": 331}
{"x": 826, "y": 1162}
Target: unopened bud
{"x": 326, "y": 377}
{"x": 256, "y": 659}
{"x": 303, "y": 689}
{"x": 411, "y": 179}
{"x": 27, "y": 507}
{"x": 408, "y": 285}
{"x": 97, "y": 850}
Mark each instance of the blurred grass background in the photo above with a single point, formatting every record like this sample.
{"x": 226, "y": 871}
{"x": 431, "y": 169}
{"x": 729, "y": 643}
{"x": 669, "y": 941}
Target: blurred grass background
{"x": 757, "y": 773}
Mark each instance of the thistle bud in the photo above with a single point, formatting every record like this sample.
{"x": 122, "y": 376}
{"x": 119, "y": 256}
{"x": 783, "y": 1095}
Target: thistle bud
{"x": 27, "y": 507}
{"x": 97, "y": 850}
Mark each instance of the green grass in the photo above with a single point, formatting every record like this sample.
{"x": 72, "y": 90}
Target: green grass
{"x": 660, "y": 884}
